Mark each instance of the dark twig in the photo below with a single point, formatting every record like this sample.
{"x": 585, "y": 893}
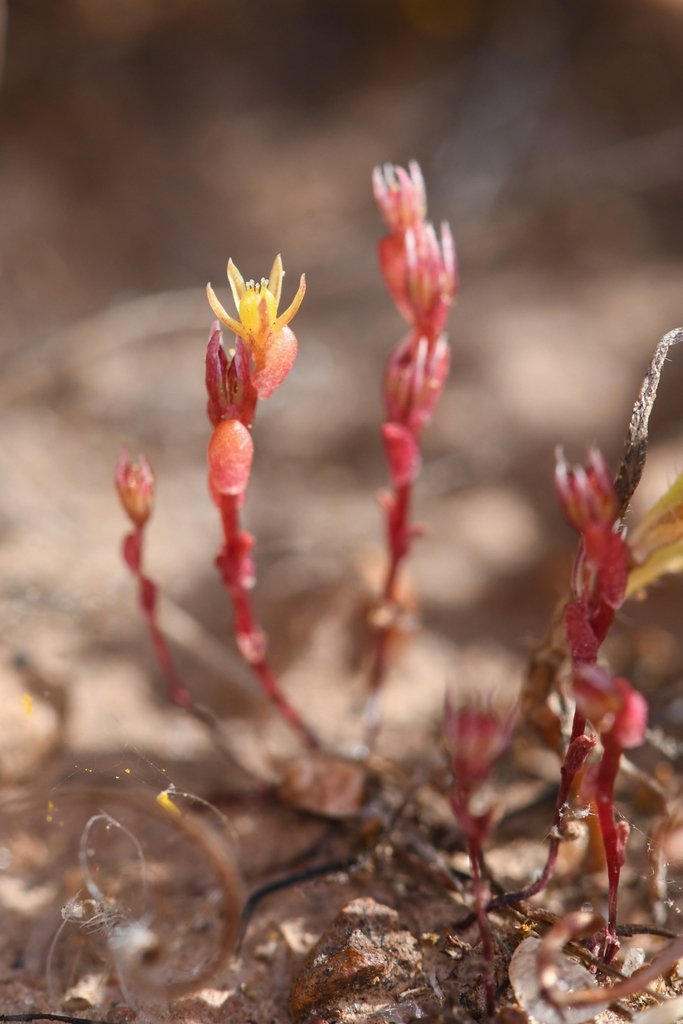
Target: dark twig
{"x": 48, "y": 1016}
{"x": 295, "y": 878}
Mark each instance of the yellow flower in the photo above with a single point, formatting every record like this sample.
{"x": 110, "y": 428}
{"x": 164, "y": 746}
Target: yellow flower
{"x": 270, "y": 341}
{"x": 257, "y": 305}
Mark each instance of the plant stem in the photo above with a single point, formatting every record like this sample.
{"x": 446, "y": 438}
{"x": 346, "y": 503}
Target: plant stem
{"x": 578, "y": 748}
{"x": 480, "y": 906}
{"x": 398, "y": 544}
{"x": 148, "y": 594}
{"x": 234, "y": 564}
{"x": 612, "y": 840}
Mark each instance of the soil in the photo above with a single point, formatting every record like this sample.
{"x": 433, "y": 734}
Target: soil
{"x": 142, "y": 144}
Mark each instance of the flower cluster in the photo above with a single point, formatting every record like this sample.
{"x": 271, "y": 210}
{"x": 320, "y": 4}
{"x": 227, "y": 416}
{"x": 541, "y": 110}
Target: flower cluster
{"x": 419, "y": 269}
{"x": 420, "y": 273}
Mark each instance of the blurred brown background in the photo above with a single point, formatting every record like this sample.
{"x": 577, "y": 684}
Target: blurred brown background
{"x": 142, "y": 142}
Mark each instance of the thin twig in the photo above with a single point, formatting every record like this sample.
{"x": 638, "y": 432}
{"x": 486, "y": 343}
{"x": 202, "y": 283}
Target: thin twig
{"x": 28, "y": 1017}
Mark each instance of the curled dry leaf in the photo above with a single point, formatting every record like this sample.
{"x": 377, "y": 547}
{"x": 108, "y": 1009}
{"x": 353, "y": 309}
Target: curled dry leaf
{"x": 635, "y": 449}
{"x": 524, "y": 978}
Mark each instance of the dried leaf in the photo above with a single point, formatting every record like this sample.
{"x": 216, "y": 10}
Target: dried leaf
{"x": 635, "y": 448}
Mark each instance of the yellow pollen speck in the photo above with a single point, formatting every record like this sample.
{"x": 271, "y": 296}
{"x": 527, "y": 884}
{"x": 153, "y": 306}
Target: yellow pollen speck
{"x": 164, "y": 800}
{"x": 50, "y": 808}
{"x": 27, "y": 701}
{"x": 127, "y": 771}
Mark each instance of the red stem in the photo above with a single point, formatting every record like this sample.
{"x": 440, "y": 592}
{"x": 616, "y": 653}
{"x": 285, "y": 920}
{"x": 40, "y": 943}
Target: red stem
{"x": 398, "y": 544}
{"x": 251, "y": 640}
{"x": 147, "y": 598}
{"x": 480, "y": 907}
{"x": 612, "y": 842}
{"x": 578, "y": 748}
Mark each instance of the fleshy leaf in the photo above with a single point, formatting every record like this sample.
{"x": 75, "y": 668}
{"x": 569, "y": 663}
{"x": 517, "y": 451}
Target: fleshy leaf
{"x": 656, "y": 544}
{"x": 231, "y": 451}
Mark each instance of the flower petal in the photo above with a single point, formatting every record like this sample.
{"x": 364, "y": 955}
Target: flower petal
{"x": 224, "y": 317}
{"x": 275, "y": 280}
{"x": 237, "y": 285}
{"x": 291, "y": 310}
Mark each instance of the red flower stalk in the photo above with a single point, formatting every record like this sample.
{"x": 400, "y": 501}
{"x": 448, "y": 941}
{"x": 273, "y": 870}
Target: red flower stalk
{"x": 264, "y": 352}
{"x": 134, "y": 482}
{"x": 598, "y": 588}
{"x": 421, "y": 276}
{"x": 476, "y": 738}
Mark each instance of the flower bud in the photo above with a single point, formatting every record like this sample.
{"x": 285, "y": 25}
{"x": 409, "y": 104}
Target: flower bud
{"x": 476, "y": 739}
{"x": 421, "y": 275}
{"x": 587, "y": 493}
{"x": 432, "y": 277}
{"x": 134, "y": 482}
{"x": 231, "y": 394}
{"x": 400, "y": 195}
{"x": 414, "y": 379}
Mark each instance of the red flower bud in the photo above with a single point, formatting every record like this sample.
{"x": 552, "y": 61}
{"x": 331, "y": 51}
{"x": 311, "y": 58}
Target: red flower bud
{"x": 432, "y": 277}
{"x": 400, "y": 195}
{"x": 231, "y": 394}
{"x": 421, "y": 275}
{"x": 587, "y": 493}
{"x": 414, "y": 379}
{"x": 135, "y": 486}
{"x": 476, "y": 739}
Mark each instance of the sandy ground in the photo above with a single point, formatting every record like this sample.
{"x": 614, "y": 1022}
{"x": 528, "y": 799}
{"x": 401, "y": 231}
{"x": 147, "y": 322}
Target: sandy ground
{"x": 138, "y": 152}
